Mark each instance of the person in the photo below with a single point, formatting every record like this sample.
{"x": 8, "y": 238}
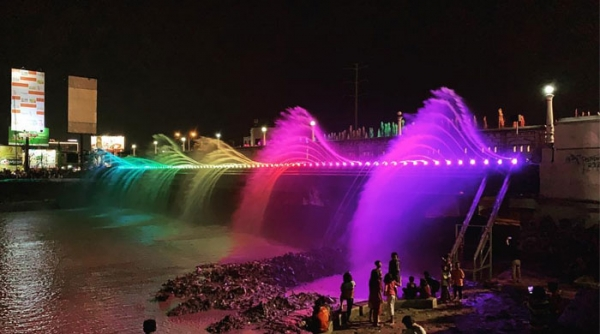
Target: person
{"x": 347, "y": 294}
{"x": 375, "y": 294}
{"x": 411, "y": 326}
{"x": 410, "y": 292}
{"x": 557, "y": 304}
{"x": 515, "y": 255}
{"x": 149, "y": 326}
{"x": 394, "y": 269}
{"x": 424, "y": 289}
{"x": 390, "y": 294}
{"x": 446, "y": 277}
{"x": 539, "y": 310}
{"x": 321, "y": 316}
{"x": 458, "y": 277}
{"x": 433, "y": 284}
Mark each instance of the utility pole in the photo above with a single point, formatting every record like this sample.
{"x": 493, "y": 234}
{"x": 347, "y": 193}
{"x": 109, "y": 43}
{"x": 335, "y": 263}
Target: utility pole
{"x": 356, "y": 68}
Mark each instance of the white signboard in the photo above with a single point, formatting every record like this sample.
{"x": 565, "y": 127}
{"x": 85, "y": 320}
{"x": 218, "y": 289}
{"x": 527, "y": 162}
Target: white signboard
{"x": 27, "y": 100}
{"x": 113, "y": 144}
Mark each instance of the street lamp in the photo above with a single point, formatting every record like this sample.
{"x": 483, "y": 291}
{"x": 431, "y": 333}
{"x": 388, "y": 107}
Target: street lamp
{"x": 312, "y": 128}
{"x": 133, "y": 147}
{"x": 155, "y": 147}
{"x": 549, "y": 91}
{"x": 218, "y": 135}
{"x": 264, "y": 132}
{"x": 177, "y": 134}
{"x": 183, "y": 144}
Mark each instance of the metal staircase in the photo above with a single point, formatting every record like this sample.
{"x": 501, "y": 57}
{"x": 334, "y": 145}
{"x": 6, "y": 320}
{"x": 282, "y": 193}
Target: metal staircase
{"x": 482, "y": 258}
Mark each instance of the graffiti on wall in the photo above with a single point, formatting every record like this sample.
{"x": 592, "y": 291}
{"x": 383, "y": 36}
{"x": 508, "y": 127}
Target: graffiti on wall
{"x": 587, "y": 162}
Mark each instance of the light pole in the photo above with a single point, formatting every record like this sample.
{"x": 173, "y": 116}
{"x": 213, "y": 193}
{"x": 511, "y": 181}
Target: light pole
{"x": 177, "y": 134}
{"x": 155, "y": 147}
{"x": 183, "y": 144}
{"x": 312, "y": 128}
{"x": 549, "y": 90}
{"x": 193, "y": 135}
{"x": 133, "y": 147}
{"x": 218, "y": 135}
{"x": 264, "y": 132}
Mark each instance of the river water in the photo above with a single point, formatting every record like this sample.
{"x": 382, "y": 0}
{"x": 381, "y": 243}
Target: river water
{"x": 82, "y": 271}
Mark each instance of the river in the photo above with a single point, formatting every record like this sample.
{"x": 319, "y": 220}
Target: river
{"x": 83, "y": 271}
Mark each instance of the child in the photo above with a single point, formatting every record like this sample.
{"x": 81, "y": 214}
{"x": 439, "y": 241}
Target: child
{"x": 375, "y": 297}
{"x": 458, "y": 277}
{"x": 347, "y": 294}
{"x": 321, "y": 317}
{"x": 390, "y": 294}
{"x": 424, "y": 289}
{"x": 410, "y": 292}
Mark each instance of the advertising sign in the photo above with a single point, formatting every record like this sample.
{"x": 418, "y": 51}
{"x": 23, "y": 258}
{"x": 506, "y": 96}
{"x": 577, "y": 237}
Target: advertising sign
{"x": 35, "y": 138}
{"x": 112, "y": 144}
{"x": 10, "y": 156}
{"x": 27, "y": 100}
{"x": 83, "y": 96}
{"x": 42, "y": 158}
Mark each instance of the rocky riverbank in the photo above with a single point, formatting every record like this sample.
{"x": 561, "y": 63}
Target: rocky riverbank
{"x": 256, "y": 290}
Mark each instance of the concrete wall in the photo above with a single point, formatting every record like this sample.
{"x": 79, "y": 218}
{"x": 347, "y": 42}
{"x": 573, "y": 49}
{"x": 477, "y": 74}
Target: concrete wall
{"x": 572, "y": 171}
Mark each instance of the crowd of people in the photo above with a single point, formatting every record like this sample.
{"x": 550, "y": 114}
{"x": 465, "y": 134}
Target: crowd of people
{"x": 34, "y": 173}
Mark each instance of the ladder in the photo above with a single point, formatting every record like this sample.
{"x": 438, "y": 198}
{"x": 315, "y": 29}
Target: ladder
{"x": 482, "y": 259}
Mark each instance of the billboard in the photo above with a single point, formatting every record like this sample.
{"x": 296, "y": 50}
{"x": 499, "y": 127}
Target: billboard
{"x": 42, "y": 158}
{"x": 83, "y": 96}
{"x": 113, "y": 144}
{"x": 27, "y": 100}
{"x": 10, "y": 156}
{"x": 35, "y": 138}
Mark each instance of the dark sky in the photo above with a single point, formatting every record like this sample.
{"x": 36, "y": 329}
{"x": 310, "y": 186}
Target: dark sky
{"x": 217, "y": 65}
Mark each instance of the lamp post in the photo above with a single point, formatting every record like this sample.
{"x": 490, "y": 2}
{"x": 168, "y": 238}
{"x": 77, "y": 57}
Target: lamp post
{"x": 193, "y": 135}
{"x": 183, "y": 144}
{"x": 133, "y": 147}
{"x": 218, "y": 135}
{"x": 155, "y": 147}
{"x": 549, "y": 90}
{"x": 177, "y": 134}
{"x": 312, "y": 128}
{"x": 264, "y": 132}
{"x": 399, "y": 123}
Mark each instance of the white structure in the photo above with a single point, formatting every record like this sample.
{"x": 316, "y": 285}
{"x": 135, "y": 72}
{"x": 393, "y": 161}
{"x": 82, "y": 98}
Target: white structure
{"x": 572, "y": 169}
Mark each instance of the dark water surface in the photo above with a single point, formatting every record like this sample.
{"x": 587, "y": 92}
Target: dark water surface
{"x": 96, "y": 272}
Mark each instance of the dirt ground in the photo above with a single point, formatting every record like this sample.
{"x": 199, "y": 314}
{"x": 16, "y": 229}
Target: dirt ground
{"x": 498, "y": 308}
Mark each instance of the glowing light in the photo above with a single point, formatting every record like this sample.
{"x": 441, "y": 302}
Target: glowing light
{"x": 263, "y": 129}
{"x": 448, "y": 162}
{"x": 499, "y": 161}
{"x": 486, "y": 162}
{"x": 472, "y": 161}
{"x": 549, "y": 89}
{"x": 313, "y": 123}
{"x": 435, "y": 162}
{"x": 460, "y": 162}
{"x": 514, "y": 161}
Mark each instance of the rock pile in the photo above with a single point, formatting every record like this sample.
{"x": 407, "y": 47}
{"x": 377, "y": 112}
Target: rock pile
{"x": 257, "y": 289}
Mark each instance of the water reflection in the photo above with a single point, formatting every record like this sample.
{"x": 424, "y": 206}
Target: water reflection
{"x": 86, "y": 272}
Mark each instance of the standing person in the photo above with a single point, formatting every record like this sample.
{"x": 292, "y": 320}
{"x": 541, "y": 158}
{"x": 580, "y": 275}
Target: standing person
{"x": 394, "y": 269}
{"x": 446, "y": 277}
{"x": 347, "y": 294}
{"x": 515, "y": 256}
{"x": 375, "y": 294}
{"x": 458, "y": 281}
{"x": 411, "y": 326}
{"x": 390, "y": 294}
{"x": 540, "y": 311}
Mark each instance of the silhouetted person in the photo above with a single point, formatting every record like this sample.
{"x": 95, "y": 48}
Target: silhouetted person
{"x": 515, "y": 257}
{"x": 446, "y": 282}
{"x": 149, "y": 326}
{"x": 557, "y": 303}
{"x": 539, "y": 310}
{"x": 433, "y": 283}
{"x": 321, "y": 317}
{"x": 347, "y": 294}
{"x": 458, "y": 280}
{"x": 394, "y": 268}
{"x": 424, "y": 289}
{"x": 410, "y": 292}
{"x": 375, "y": 294}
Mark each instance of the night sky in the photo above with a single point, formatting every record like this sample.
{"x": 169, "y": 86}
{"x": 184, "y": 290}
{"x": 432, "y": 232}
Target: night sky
{"x": 164, "y": 66}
